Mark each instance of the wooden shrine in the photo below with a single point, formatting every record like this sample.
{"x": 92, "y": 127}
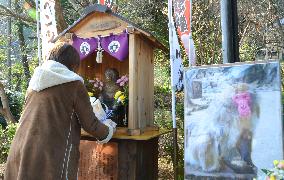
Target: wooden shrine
{"x": 100, "y": 21}
{"x": 137, "y": 144}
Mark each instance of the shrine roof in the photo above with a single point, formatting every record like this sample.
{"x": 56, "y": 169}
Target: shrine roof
{"x": 104, "y": 9}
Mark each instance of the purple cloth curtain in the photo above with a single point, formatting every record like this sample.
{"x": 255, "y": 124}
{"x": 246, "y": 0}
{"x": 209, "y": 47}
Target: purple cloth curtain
{"x": 85, "y": 47}
{"x": 115, "y": 45}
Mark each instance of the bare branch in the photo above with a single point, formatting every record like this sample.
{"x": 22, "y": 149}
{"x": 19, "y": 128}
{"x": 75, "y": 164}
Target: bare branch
{"x": 76, "y": 6}
{"x": 276, "y": 13}
{"x": 79, "y": 5}
{"x": 242, "y": 35}
{"x": 5, "y": 111}
{"x": 4, "y": 11}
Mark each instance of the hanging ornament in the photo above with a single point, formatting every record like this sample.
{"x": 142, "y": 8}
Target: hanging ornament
{"x": 100, "y": 50}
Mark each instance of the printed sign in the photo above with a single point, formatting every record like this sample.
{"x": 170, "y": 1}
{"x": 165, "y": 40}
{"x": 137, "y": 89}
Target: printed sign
{"x": 48, "y": 26}
{"x": 98, "y": 161}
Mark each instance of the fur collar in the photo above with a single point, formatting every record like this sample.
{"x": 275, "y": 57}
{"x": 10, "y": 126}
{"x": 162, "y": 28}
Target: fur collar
{"x": 52, "y": 73}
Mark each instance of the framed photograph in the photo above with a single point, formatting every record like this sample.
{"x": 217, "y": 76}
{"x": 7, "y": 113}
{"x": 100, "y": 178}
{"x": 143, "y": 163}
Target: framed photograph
{"x": 233, "y": 119}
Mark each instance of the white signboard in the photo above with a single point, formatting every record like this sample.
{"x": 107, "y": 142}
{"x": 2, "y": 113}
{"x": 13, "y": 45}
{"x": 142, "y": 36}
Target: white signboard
{"x": 233, "y": 120}
{"x": 48, "y": 25}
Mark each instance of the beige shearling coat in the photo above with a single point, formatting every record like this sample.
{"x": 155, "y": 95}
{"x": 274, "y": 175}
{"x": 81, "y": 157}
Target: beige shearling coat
{"x": 46, "y": 145}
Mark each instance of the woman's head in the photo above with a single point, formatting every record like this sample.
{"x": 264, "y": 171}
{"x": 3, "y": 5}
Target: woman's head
{"x": 65, "y": 54}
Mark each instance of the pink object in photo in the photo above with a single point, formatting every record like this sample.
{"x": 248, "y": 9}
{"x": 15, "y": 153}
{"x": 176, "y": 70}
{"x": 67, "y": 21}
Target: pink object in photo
{"x": 243, "y": 102}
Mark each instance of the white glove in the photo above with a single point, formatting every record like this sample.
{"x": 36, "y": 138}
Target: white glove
{"x": 110, "y": 123}
{"x": 112, "y": 128}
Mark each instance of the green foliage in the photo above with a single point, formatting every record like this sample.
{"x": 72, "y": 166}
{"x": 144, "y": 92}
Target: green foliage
{"x": 15, "y": 90}
{"x": 3, "y": 123}
{"x": 248, "y": 51}
{"x": 163, "y": 119}
{"x": 206, "y": 29}
{"x": 70, "y": 14}
{"x": 150, "y": 15}
{"x": 32, "y": 13}
{"x": 6, "y": 137}
{"x": 2, "y": 57}
{"x": 16, "y": 101}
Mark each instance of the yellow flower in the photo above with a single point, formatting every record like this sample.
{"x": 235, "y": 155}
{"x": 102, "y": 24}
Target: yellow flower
{"x": 117, "y": 94}
{"x": 121, "y": 98}
{"x": 275, "y": 162}
{"x": 272, "y": 177}
{"x": 90, "y": 94}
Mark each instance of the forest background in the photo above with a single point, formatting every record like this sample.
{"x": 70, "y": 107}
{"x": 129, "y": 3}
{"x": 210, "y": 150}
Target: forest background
{"x": 261, "y": 29}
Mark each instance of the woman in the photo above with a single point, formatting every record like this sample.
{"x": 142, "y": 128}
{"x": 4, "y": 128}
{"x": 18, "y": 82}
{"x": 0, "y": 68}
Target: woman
{"x": 46, "y": 145}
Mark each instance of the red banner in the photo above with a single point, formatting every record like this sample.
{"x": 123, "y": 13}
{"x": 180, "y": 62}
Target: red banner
{"x": 182, "y": 19}
{"x": 108, "y": 3}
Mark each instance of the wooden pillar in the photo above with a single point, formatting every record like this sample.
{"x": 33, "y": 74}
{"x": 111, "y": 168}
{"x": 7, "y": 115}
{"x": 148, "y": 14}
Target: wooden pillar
{"x": 141, "y": 84}
{"x": 133, "y": 84}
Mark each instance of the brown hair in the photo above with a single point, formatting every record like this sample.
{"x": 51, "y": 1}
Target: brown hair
{"x": 65, "y": 54}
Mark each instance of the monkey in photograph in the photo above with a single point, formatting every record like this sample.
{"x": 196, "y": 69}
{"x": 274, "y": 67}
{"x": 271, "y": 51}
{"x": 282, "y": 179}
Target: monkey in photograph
{"x": 248, "y": 114}
{"x": 221, "y": 140}
{"x": 210, "y": 136}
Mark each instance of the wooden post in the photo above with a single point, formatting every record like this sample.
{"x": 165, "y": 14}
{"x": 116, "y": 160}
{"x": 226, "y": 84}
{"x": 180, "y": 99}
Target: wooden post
{"x": 141, "y": 85}
{"x": 175, "y": 159}
{"x": 145, "y": 77}
{"x": 133, "y": 84}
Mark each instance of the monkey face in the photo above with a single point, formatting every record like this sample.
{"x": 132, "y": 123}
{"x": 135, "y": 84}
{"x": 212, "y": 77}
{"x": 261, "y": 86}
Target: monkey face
{"x": 243, "y": 103}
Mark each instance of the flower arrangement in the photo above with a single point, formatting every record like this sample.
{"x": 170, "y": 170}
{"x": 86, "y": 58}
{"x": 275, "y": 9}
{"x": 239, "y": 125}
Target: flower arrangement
{"x": 122, "y": 81}
{"x": 122, "y": 96}
{"x": 121, "y": 100}
{"x": 277, "y": 172}
{"x": 94, "y": 87}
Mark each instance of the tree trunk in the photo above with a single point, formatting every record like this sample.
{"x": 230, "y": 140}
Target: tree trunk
{"x": 60, "y": 21}
{"x": 9, "y": 33}
{"x": 22, "y": 43}
{"x": 24, "y": 57}
{"x": 5, "y": 109}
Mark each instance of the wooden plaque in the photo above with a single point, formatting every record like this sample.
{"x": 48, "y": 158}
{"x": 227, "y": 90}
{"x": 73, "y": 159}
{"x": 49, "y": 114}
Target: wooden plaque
{"x": 98, "y": 161}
